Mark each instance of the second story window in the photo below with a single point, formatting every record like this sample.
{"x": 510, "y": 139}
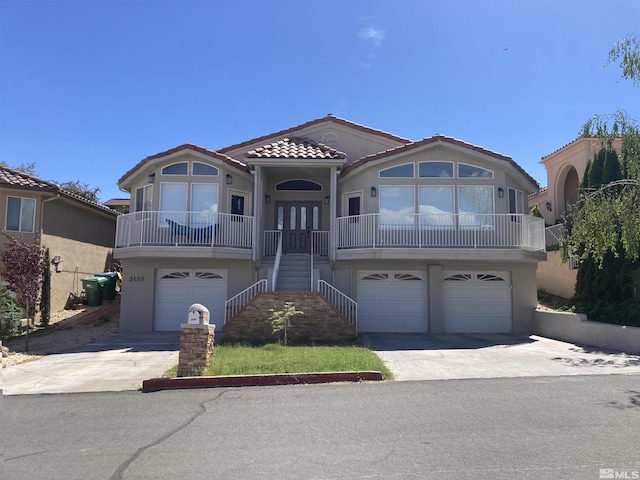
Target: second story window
{"x": 21, "y": 214}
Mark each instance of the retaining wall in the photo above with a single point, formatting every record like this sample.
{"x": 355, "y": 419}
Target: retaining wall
{"x": 576, "y": 328}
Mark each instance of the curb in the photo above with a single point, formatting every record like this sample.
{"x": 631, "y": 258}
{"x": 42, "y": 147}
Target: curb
{"x": 157, "y": 384}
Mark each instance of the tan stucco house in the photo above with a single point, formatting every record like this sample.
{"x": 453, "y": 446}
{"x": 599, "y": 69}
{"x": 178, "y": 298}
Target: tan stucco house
{"x": 78, "y": 233}
{"x": 424, "y": 236}
{"x": 565, "y": 169}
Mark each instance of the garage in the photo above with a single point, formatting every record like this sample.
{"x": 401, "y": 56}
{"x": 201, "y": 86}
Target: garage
{"x": 177, "y": 289}
{"x": 392, "y": 301}
{"x": 477, "y": 302}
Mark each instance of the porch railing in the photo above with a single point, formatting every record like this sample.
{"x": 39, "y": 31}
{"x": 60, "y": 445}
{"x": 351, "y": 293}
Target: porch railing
{"x": 237, "y": 302}
{"x": 320, "y": 243}
{"x": 271, "y": 239}
{"x": 378, "y": 230}
{"x": 345, "y": 305}
{"x": 276, "y": 263}
{"x": 184, "y": 229}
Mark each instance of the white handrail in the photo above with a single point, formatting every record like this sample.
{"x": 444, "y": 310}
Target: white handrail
{"x": 276, "y": 263}
{"x": 345, "y": 305}
{"x": 237, "y": 302}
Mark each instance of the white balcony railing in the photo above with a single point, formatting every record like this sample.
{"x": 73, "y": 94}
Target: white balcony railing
{"x": 445, "y": 231}
{"x": 184, "y": 229}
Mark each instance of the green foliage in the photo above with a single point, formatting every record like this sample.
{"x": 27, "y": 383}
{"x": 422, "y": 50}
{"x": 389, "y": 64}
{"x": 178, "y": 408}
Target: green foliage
{"x": 10, "y": 315}
{"x": 584, "y": 185}
{"x": 597, "y": 167}
{"x": 82, "y": 189}
{"x": 281, "y": 319}
{"x": 611, "y": 169}
{"x": 627, "y": 52}
{"x": 555, "y": 302}
{"x": 535, "y": 211}
{"x": 29, "y": 168}
{"x": 45, "y": 295}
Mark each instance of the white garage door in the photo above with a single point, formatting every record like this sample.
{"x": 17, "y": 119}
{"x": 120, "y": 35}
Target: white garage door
{"x": 477, "y": 302}
{"x": 178, "y": 289}
{"x": 392, "y": 302}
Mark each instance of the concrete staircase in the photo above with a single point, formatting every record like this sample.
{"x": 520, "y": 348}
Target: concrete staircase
{"x": 294, "y": 274}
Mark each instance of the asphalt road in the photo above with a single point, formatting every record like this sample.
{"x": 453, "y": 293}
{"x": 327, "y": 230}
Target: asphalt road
{"x": 509, "y": 428}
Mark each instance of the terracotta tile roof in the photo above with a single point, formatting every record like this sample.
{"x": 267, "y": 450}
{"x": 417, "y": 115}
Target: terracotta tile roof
{"x": 435, "y": 139}
{"x": 296, "y": 147}
{"x": 328, "y": 118}
{"x": 575, "y": 140}
{"x": 117, "y": 202}
{"x": 20, "y": 180}
{"x": 187, "y": 146}
{"x": 16, "y": 178}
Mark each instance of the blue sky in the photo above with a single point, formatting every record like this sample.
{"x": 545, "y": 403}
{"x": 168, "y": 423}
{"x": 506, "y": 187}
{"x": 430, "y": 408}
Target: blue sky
{"x": 88, "y": 88}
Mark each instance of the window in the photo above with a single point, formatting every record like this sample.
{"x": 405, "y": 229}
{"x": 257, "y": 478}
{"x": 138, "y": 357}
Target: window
{"x": 305, "y": 185}
{"x": 353, "y": 206}
{"x": 401, "y": 171}
{"x": 435, "y": 206}
{"x": 173, "y": 201}
{"x": 475, "y": 206}
{"x": 21, "y": 214}
{"x": 176, "y": 169}
{"x": 435, "y": 169}
{"x": 204, "y": 203}
{"x": 516, "y": 201}
{"x": 397, "y": 207}
{"x": 237, "y": 205}
{"x": 471, "y": 171}
{"x": 204, "y": 169}
{"x": 143, "y": 198}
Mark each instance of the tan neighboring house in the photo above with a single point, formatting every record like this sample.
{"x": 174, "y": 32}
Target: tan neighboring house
{"x": 79, "y": 234}
{"x": 565, "y": 169}
{"x": 423, "y": 236}
{"x": 120, "y": 205}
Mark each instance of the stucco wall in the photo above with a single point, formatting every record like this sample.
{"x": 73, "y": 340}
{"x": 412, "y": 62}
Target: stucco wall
{"x": 556, "y": 277}
{"x": 576, "y": 328}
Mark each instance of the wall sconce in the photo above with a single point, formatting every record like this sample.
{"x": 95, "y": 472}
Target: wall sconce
{"x": 229, "y": 179}
{"x": 500, "y": 192}
{"x": 326, "y": 200}
{"x": 57, "y": 260}
{"x": 374, "y": 192}
{"x": 548, "y": 205}
{"x": 267, "y": 199}
{"x": 151, "y": 178}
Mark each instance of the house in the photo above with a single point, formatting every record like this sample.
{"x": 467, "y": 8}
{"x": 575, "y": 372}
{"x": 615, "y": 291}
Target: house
{"x": 120, "y": 205}
{"x": 78, "y": 233}
{"x": 423, "y": 236}
{"x": 565, "y": 169}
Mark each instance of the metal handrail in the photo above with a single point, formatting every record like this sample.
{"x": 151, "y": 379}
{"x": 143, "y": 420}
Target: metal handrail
{"x": 345, "y": 305}
{"x": 276, "y": 263}
{"x": 237, "y": 302}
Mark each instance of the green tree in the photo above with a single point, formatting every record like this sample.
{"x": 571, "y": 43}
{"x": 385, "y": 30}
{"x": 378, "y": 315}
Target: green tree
{"x": 281, "y": 320}
{"x": 82, "y": 189}
{"x": 45, "y": 295}
{"x": 29, "y": 168}
{"x": 627, "y": 52}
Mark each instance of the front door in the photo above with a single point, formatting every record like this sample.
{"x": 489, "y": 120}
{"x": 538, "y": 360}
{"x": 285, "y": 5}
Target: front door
{"x": 297, "y": 220}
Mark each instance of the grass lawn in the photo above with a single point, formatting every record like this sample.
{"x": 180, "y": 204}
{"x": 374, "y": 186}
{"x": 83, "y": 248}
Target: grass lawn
{"x": 244, "y": 359}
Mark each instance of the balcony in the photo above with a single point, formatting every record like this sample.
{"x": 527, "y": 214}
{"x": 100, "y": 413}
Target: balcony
{"x": 184, "y": 229}
{"x": 433, "y": 231}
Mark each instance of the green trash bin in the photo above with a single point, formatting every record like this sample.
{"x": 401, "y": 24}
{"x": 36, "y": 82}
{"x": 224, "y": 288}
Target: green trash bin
{"x": 109, "y": 289}
{"x": 93, "y": 287}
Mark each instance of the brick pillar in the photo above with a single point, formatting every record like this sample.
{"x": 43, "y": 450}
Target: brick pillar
{"x": 196, "y": 347}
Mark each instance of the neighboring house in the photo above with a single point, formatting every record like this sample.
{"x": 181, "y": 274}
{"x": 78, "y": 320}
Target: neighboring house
{"x": 426, "y": 236}
{"x": 120, "y": 205}
{"x": 565, "y": 169}
{"x": 78, "y": 233}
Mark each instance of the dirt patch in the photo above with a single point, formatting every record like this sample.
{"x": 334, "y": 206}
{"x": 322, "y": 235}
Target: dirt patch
{"x": 68, "y": 330}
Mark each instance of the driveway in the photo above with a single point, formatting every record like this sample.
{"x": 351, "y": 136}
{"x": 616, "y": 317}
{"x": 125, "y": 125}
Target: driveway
{"x": 456, "y": 356}
{"x": 118, "y": 363}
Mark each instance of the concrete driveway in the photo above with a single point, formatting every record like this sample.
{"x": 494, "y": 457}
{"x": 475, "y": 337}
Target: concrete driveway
{"x": 456, "y": 356}
{"x": 118, "y": 363}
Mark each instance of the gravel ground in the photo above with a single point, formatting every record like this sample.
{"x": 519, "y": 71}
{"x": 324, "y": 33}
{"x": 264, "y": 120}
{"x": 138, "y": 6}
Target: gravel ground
{"x": 68, "y": 330}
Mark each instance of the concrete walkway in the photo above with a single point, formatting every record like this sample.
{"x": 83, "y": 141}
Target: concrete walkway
{"x": 119, "y": 363}
{"x": 457, "y": 356}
